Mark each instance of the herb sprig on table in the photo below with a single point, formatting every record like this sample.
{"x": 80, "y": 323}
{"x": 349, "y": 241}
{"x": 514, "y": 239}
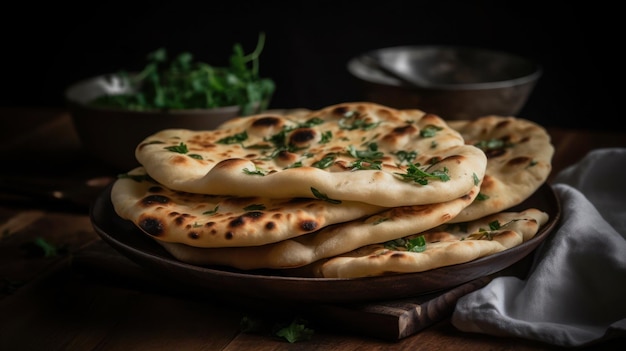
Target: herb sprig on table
{"x": 188, "y": 84}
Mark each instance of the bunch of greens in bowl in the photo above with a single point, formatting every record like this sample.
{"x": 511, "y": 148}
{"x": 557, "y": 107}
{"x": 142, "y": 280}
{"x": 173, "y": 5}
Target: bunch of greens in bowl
{"x": 186, "y": 84}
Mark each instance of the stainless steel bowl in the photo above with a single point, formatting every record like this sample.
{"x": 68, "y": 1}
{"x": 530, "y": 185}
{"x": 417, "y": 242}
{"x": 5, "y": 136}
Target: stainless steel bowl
{"x": 451, "y": 81}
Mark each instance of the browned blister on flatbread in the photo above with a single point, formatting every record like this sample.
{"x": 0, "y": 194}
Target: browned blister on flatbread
{"x": 519, "y": 160}
{"x": 445, "y": 245}
{"x": 361, "y": 152}
{"x": 218, "y": 221}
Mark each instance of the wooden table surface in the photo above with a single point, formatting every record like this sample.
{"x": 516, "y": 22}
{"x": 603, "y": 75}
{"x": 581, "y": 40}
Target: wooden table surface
{"x": 67, "y": 301}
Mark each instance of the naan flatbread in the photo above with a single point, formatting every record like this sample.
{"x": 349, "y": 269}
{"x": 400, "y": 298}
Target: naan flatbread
{"x": 519, "y": 160}
{"x": 330, "y": 241}
{"x": 361, "y": 152}
{"x": 218, "y": 220}
{"x": 445, "y": 245}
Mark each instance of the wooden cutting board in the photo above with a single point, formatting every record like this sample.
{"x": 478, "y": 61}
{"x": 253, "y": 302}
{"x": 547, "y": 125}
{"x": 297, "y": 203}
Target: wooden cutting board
{"x": 389, "y": 320}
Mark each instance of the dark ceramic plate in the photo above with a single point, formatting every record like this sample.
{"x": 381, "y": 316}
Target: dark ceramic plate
{"x": 272, "y": 286}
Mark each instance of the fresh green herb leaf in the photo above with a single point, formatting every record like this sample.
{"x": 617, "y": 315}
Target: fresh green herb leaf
{"x": 476, "y": 179}
{"x": 327, "y": 136}
{"x": 354, "y": 120}
{"x": 40, "y": 247}
{"x": 324, "y": 197}
{"x": 429, "y": 131}
{"x": 180, "y": 148}
{"x": 234, "y": 139}
{"x": 295, "y": 331}
{"x": 254, "y": 207}
{"x": 187, "y": 84}
{"x": 414, "y": 244}
{"x": 491, "y": 145}
{"x": 406, "y": 157}
{"x": 211, "y": 212}
{"x": 415, "y": 174}
{"x": 371, "y": 153}
{"x": 325, "y": 162}
{"x": 255, "y": 172}
{"x": 495, "y": 225}
{"x": 481, "y": 197}
{"x": 360, "y": 165}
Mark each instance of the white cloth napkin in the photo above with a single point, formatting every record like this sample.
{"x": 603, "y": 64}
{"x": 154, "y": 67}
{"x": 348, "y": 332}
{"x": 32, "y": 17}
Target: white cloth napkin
{"x": 575, "y": 293}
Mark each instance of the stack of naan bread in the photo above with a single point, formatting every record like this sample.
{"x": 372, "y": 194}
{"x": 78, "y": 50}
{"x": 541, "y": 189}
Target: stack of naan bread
{"x": 351, "y": 190}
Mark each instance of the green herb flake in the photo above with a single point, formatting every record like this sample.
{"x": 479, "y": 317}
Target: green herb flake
{"x": 180, "y": 148}
{"x": 493, "y": 144}
{"x": 234, "y": 139}
{"x": 360, "y": 165}
{"x": 380, "y": 220}
{"x": 325, "y": 162}
{"x": 495, "y": 225}
{"x": 211, "y": 212}
{"x": 322, "y": 196}
{"x": 416, "y": 244}
{"x": 405, "y": 157}
{"x": 254, "y": 207}
{"x": 476, "y": 179}
{"x": 429, "y": 131}
{"x": 255, "y": 172}
{"x": 481, "y": 197}
{"x": 327, "y": 136}
{"x": 413, "y": 244}
{"x": 295, "y": 331}
{"x": 415, "y": 174}
{"x": 352, "y": 120}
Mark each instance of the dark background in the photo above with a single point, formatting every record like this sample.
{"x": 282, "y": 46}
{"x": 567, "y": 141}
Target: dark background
{"x": 48, "y": 47}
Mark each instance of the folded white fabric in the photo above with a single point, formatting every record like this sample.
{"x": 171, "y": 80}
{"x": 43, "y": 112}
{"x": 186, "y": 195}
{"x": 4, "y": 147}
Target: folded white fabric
{"x": 575, "y": 293}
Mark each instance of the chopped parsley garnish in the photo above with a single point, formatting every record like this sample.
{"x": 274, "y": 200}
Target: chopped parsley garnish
{"x": 371, "y": 153}
{"x": 429, "y": 131}
{"x": 414, "y": 244}
{"x": 323, "y": 196}
{"x": 327, "y": 136}
{"x": 494, "y": 227}
{"x": 255, "y": 172}
{"x": 476, "y": 179}
{"x": 211, "y": 212}
{"x": 415, "y": 174}
{"x": 325, "y": 162}
{"x": 234, "y": 139}
{"x": 493, "y": 144}
{"x": 254, "y": 207}
{"x": 406, "y": 157}
{"x": 180, "y": 148}
{"x": 481, "y": 197}
{"x": 354, "y": 120}
{"x": 296, "y": 330}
